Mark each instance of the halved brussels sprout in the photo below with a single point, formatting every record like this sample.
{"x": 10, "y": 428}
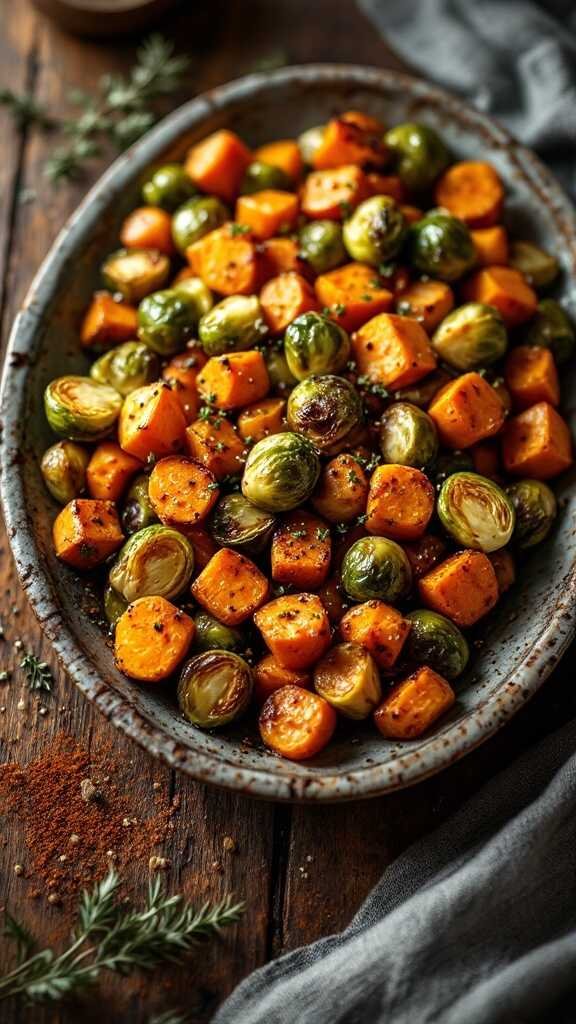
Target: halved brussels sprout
{"x": 214, "y": 688}
{"x": 260, "y": 176}
{"x": 237, "y": 523}
{"x": 127, "y": 367}
{"x": 168, "y": 186}
{"x": 313, "y": 345}
{"x": 452, "y": 462}
{"x": 281, "y": 377}
{"x": 81, "y": 409}
{"x": 155, "y": 562}
{"x": 325, "y": 410}
{"x": 375, "y": 567}
{"x": 476, "y": 512}
{"x": 234, "y": 324}
{"x": 441, "y": 245}
{"x": 537, "y": 265}
{"x": 196, "y": 292}
{"x": 114, "y": 605}
{"x": 436, "y": 642}
{"x": 321, "y": 245}
{"x": 551, "y": 328}
{"x": 135, "y": 272}
{"x": 408, "y": 436}
{"x": 420, "y": 155}
{"x": 281, "y": 472}
{"x": 138, "y": 512}
{"x": 196, "y": 218}
{"x": 471, "y": 337}
{"x": 309, "y": 141}
{"x": 375, "y": 231}
{"x": 167, "y": 320}
{"x": 63, "y": 468}
{"x": 347, "y": 677}
{"x": 536, "y": 509}
{"x": 212, "y": 635}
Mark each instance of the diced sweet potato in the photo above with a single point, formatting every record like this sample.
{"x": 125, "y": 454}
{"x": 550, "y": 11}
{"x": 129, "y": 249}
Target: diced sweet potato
{"x": 217, "y": 164}
{"x": 285, "y": 154}
{"x": 350, "y": 140}
{"x": 301, "y": 549}
{"x": 352, "y": 294}
{"x": 427, "y": 301}
{"x": 182, "y": 492}
{"x": 148, "y": 227}
{"x": 400, "y": 502}
{"x": 86, "y": 531}
{"x": 109, "y": 471}
{"x": 491, "y": 245}
{"x": 262, "y": 419}
{"x": 472, "y": 191}
{"x": 269, "y": 676}
{"x": 295, "y": 628}
{"x": 393, "y": 350}
{"x": 464, "y": 588}
{"x": 151, "y": 422}
{"x": 267, "y": 213}
{"x": 505, "y": 288}
{"x": 279, "y": 256}
{"x": 333, "y": 194}
{"x": 108, "y": 322}
{"x": 537, "y": 443}
{"x": 216, "y": 444}
{"x": 295, "y": 723}
{"x": 227, "y": 260}
{"x": 531, "y": 376}
{"x": 413, "y": 705}
{"x": 284, "y": 298}
{"x": 466, "y": 411}
{"x": 151, "y": 638}
{"x": 230, "y": 587}
{"x": 233, "y": 380}
{"x": 181, "y": 373}
{"x": 378, "y": 627}
{"x": 342, "y": 490}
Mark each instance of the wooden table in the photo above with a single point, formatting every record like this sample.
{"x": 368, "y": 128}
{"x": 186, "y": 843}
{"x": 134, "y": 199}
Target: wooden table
{"x": 303, "y": 871}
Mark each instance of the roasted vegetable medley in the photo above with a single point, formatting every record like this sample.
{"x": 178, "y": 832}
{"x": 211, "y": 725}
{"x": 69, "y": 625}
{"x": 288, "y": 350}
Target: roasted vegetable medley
{"x": 318, "y": 427}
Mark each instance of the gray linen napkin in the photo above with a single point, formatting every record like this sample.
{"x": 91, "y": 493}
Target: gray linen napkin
{"x": 476, "y": 923}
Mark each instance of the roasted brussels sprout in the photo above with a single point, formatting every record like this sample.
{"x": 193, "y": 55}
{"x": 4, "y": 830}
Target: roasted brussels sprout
{"x": 127, "y": 367}
{"x": 114, "y": 605}
{"x": 420, "y": 155}
{"x": 281, "y": 472}
{"x": 135, "y": 272}
{"x": 64, "y": 470}
{"x": 551, "y": 328}
{"x": 452, "y": 462}
{"x": 195, "y": 218}
{"x": 440, "y": 245}
{"x": 281, "y": 377}
{"x": 375, "y": 567}
{"x": 259, "y": 176}
{"x": 375, "y": 231}
{"x": 214, "y": 688}
{"x": 81, "y": 409}
{"x": 309, "y": 141}
{"x": 196, "y": 292}
{"x": 168, "y": 186}
{"x": 537, "y": 265}
{"x": 536, "y": 509}
{"x": 237, "y": 523}
{"x": 212, "y": 635}
{"x": 476, "y": 512}
{"x": 408, "y": 436}
{"x": 347, "y": 677}
{"x": 155, "y": 562}
{"x": 422, "y": 393}
{"x": 321, "y": 245}
{"x": 166, "y": 320}
{"x": 436, "y": 642}
{"x": 471, "y": 337}
{"x": 138, "y": 512}
{"x": 325, "y": 410}
{"x": 313, "y": 345}
{"x": 234, "y": 324}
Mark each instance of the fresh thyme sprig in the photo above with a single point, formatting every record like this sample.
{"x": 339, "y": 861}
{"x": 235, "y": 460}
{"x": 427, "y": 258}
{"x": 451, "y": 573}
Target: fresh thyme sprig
{"x": 107, "y": 938}
{"x": 38, "y": 674}
{"x": 25, "y": 110}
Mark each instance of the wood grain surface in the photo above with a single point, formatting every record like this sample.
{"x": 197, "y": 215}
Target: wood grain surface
{"x": 302, "y": 871}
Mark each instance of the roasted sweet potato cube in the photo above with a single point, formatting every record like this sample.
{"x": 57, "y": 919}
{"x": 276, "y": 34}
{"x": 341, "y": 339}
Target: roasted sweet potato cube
{"x": 379, "y": 628}
{"x": 504, "y": 288}
{"x": 86, "y": 531}
{"x": 531, "y": 376}
{"x": 413, "y": 705}
{"x": 301, "y": 549}
{"x": 109, "y": 471}
{"x": 216, "y": 444}
{"x": 295, "y": 628}
{"x": 537, "y": 443}
{"x": 230, "y": 587}
{"x": 400, "y": 502}
{"x": 464, "y": 588}
{"x": 217, "y": 164}
{"x": 108, "y": 322}
{"x": 466, "y": 410}
{"x": 393, "y": 351}
{"x": 234, "y": 380}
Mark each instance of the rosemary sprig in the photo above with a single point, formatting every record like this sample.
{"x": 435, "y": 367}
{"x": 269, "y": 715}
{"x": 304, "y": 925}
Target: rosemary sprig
{"x": 38, "y": 674}
{"x": 107, "y": 938}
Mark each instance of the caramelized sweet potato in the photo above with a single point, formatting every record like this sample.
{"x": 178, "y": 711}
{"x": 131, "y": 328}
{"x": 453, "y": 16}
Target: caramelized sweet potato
{"x": 215, "y": 443}
{"x": 295, "y": 723}
{"x": 472, "y": 191}
{"x": 333, "y": 194}
{"x": 151, "y": 422}
{"x": 466, "y": 411}
{"x": 537, "y": 443}
{"x": 230, "y": 587}
{"x": 505, "y": 288}
{"x": 86, "y": 531}
{"x": 181, "y": 373}
{"x": 400, "y": 502}
{"x": 227, "y": 260}
{"x": 233, "y": 380}
{"x": 427, "y": 301}
{"x": 151, "y": 638}
{"x": 351, "y": 139}
{"x": 413, "y": 705}
{"x": 269, "y": 676}
{"x": 393, "y": 351}
{"x": 301, "y": 549}
{"x": 109, "y": 471}
{"x": 464, "y": 588}
{"x": 285, "y": 154}
{"x": 295, "y": 628}
{"x": 217, "y": 164}
{"x": 491, "y": 245}
{"x": 352, "y": 294}
{"x": 284, "y": 298}
{"x": 148, "y": 227}
{"x": 531, "y": 376}
{"x": 108, "y": 322}
{"x": 262, "y": 419}
{"x": 181, "y": 491}
{"x": 342, "y": 490}
{"x": 267, "y": 213}
{"x": 379, "y": 628}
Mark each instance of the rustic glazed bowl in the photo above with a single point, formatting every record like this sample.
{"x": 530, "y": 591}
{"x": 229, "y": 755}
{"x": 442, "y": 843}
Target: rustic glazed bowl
{"x": 519, "y": 644}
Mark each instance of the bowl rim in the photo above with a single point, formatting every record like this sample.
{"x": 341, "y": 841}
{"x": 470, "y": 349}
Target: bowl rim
{"x": 409, "y": 767}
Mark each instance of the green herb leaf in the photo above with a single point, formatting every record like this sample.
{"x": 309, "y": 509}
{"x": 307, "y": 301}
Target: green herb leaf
{"x": 38, "y": 674}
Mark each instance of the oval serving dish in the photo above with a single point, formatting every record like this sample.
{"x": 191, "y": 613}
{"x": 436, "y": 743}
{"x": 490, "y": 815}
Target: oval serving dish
{"x": 531, "y": 626}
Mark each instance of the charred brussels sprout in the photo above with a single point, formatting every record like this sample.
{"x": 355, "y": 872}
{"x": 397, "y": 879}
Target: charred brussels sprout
{"x": 259, "y": 176}
{"x": 281, "y": 377}
{"x": 64, "y": 470}
{"x": 234, "y": 324}
{"x": 471, "y": 337}
{"x": 196, "y": 218}
{"x": 135, "y": 272}
{"x": 408, "y": 436}
{"x": 155, "y": 562}
{"x": 347, "y": 677}
{"x": 309, "y": 141}
{"x": 321, "y": 245}
{"x": 127, "y": 367}
{"x": 168, "y": 186}
{"x": 452, "y": 462}
{"x": 196, "y": 292}
{"x": 476, "y": 512}
{"x": 375, "y": 567}
{"x": 167, "y": 320}
{"x": 537, "y": 265}
{"x": 551, "y": 328}
{"x": 324, "y": 409}
{"x": 375, "y": 231}
{"x": 81, "y": 409}
{"x": 314, "y": 345}
{"x": 212, "y": 635}
{"x": 138, "y": 512}
{"x": 440, "y": 245}
{"x": 420, "y": 155}
{"x": 114, "y": 605}
{"x": 281, "y": 472}
{"x": 214, "y": 688}
{"x": 536, "y": 509}
{"x": 437, "y": 642}
{"x": 237, "y": 523}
